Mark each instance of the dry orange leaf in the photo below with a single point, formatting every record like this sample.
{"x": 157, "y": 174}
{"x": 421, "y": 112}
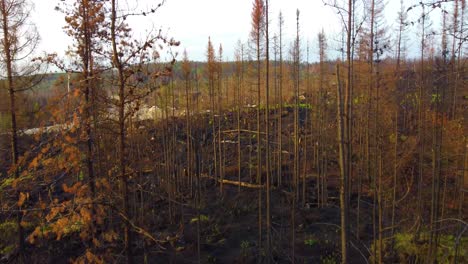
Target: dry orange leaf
{"x": 22, "y": 199}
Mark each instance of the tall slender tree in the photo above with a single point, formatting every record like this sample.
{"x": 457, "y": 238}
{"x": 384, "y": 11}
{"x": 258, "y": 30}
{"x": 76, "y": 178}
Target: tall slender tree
{"x": 239, "y": 70}
{"x": 219, "y": 74}
{"x": 280, "y": 95}
{"x": 187, "y": 70}
{"x": 85, "y": 22}
{"x": 129, "y": 58}
{"x": 267, "y": 130}
{"x": 119, "y": 65}
{"x": 18, "y": 39}
{"x": 296, "y": 69}
{"x": 256, "y": 35}
{"x": 321, "y": 152}
{"x": 211, "y": 75}
{"x": 345, "y": 138}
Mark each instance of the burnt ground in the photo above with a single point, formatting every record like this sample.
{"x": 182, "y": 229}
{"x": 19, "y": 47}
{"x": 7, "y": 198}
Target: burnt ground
{"x": 229, "y": 221}
{"x": 229, "y": 230}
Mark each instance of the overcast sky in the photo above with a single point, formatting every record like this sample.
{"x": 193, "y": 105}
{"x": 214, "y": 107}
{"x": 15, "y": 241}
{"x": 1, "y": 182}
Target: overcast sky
{"x": 193, "y": 21}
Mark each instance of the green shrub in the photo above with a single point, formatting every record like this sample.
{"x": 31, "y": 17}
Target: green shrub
{"x": 244, "y": 246}
{"x": 407, "y": 248}
{"x": 310, "y": 242}
{"x": 328, "y": 260}
{"x": 203, "y": 218}
{"x": 7, "y": 237}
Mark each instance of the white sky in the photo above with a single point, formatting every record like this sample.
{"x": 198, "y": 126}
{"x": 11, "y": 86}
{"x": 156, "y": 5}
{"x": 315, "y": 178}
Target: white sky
{"x": 192, "y": 21}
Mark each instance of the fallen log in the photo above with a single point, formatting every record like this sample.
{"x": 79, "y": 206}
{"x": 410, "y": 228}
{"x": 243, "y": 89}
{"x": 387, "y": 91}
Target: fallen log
{"x": 236, "y": 183}
{"x": 242, "y": 184}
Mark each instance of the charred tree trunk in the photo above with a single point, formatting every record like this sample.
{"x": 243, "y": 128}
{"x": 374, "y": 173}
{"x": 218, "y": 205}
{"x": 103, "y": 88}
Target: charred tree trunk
{"x": 7, "y": 49}
{"x": 128, "y": 239}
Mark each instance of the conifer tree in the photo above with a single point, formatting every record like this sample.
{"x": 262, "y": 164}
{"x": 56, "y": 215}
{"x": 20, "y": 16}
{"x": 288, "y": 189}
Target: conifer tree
{"x": 18, "y": 39}
{"x": 267, "y": 126}
{"x": 256, "y": 35}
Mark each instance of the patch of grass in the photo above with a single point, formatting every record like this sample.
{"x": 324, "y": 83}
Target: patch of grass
{"x": 245, "y": 246}
{"x": 222, "y": 242}
{"x": 7, "y": 228}
{"x": 203, "y": 218}
{"x": 407, "y": 248}
{"x": 6, "y": 183}
{"x": 310, "y": 241}
{"x": 300, "y": 106}
{"x": 7, "y": 237}
{"x": 211, "y": 259}
{"x": 5, "y": 122}
{"x": 328, "y": 260}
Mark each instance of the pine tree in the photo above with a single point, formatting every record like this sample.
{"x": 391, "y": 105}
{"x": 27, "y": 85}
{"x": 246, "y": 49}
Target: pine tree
{"x": 256, "y": 35}
{"x": 18, "y": 40}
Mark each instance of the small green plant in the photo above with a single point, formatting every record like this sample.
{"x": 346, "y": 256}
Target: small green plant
{"x": 8, "y": 231}
{"x": 376, "y": 247}
{"x": 5, "y": 122}
{"x": 328, "y": 260}
{"x": 211, "y": 259}
{"x": 310, "y": 242}
{"x": 215, "y": 236}
{"x": 6, "y": 250}
{"x": 305, "y": 106}
{"x": 203, "y": 218}
{"x": 245, "y": 245}
{"x": 435, "y": 98}
{"x": 6, "y": 183}
{"x": 222, "y": 242}
{"x": 81, "y": 175}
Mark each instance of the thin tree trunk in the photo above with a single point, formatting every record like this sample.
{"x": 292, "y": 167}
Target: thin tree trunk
{"x": 122, "y": 162}
{"x": 461, "y": 192}
{"x": 239, "y": 104}
{"x": 198, "y": 197}
{"x": 420, "y": 130}
{"x": 259, "y": 149}
{"x": 220, "y": 114}
{"x": 267, "y": 128}
{"x": 188, "y": 131}
{"x": 344, "y": 128}
{"x": 280, "y": 116}
{"x": 395, "y": 171}
{"x": 341, "y": 140}
{"x": 14, "y": 128}
{"x": 89, "y": 100}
